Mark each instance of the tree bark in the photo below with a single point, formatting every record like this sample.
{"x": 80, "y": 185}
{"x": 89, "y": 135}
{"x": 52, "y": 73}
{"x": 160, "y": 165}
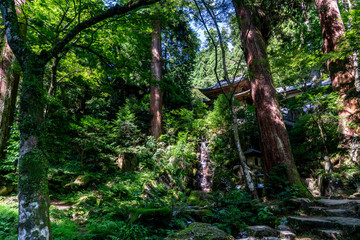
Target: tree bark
{"x": 34, "y": 221}
{"x": 9, "y": 83}
{"x": 155, "y": 90}
{"x": 341, "y": 71}
{"x": 275, "y": 144}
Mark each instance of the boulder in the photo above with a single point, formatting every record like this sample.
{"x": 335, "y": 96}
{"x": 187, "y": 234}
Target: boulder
{"x": 287, "y": 235}
{"x": 200, "y": 231}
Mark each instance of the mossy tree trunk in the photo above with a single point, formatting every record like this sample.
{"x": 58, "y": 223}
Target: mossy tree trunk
{"x": 156, "y": 72}
{"x": 34, "y": 222}
{"x": 275, "y": 144}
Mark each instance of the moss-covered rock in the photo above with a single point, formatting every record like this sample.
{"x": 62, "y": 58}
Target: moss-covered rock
{"x": 200, "y": 231}
{"x": 152, "y": 216}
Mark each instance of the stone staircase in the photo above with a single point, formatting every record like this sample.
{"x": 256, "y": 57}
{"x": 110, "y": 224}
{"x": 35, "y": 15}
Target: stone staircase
{"x": 328, "y": 219}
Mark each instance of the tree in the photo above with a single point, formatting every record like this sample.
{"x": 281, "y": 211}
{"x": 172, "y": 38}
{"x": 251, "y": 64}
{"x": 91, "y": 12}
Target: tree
{"x": 9, "y": 84}
{"x": 156, "y": 70}
{"x": 34, "y": 222}
{"x": 255, "y": 27}
{"x": 341, "y": 70}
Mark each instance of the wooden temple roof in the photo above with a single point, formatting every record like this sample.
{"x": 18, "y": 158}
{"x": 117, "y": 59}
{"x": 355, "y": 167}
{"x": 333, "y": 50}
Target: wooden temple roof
{"x": 241, "y": 85}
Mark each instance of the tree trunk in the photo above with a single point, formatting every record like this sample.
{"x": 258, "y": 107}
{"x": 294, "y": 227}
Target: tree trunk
{"x": 275, "y": 144}
{"x": 246, "y": 170}
{"x": 155, "y": 91}
{"x": 341, "y": 71}
{"x": 9, "y": 83}
{"x": 34, "y": 222}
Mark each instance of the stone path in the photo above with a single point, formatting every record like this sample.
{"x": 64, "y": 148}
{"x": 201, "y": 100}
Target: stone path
{"x": 329, "y": 219}
{"x": 320, "y": 219}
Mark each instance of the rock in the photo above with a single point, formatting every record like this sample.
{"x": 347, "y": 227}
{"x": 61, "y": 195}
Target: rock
{"x": 200, "y": 231}
{"x": 151, "y": 216}
{"x": 335, "y": 203}
{"x": 261, "y": 231}
{"x": 348, "y": 225}
{"x": 287, "y": 235}
{"x": 306, "y": 224}
{"x": 339, "y": 212}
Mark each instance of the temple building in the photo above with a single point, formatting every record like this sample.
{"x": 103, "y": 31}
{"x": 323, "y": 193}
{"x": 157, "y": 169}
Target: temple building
{"x": 241, "y": 85}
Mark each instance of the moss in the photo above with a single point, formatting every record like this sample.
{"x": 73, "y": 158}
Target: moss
{"x": 200, "y": 231}
{"x": 33, "y": 172}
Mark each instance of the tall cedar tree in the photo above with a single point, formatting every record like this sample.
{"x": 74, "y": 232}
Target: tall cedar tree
{"x": 341, "y": 71}
{"x": 275, "y": 144}
{"x": 156, "y": 72}
{"x": 34, "y": 222}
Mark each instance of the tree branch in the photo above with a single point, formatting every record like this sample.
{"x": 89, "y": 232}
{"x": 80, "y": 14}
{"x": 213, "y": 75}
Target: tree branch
{"x": 113, "y": 11}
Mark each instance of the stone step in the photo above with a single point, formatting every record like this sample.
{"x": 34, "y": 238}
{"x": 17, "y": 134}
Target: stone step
{"x": 336, "y": 203}
{"x": 308, "y": 223}
{"x": 331, "y": 212}
{"x": 349, "y": 226}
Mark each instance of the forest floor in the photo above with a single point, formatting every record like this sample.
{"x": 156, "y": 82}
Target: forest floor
{"x": 309, "y": 220}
